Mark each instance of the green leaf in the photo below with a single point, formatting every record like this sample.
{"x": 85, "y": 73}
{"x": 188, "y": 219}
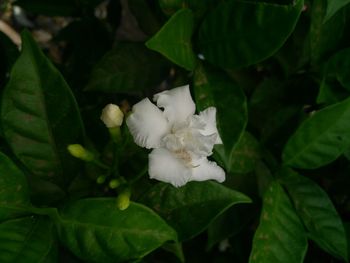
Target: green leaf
{"x": 330, "y": 93}
{"x": 191, "y": 208}
{"x": 320, "y": 139}
{"x": 338, "y": 67}
{"x": 27, "y": 240}
{"x": 241, "y": 33}
{"x": 324, "y": 38}
{"x": 145, "y": 16}
{"x": 37, "y": 108}
{"x": 333, "y": 6}
{"x": 14, "y": 193}
{"x": 43, "y": 192}
{"x": 213, "y": 88}
{"x": 317, "y": 213}
{"x": 280, "y": 237}
{"x": 175, "y": 249}
{"x": 199, "y": 7}
{"x": 173, "y": 40}
{"x": 129, "y": 67}
{"x": 347, "y": 229}
{"x": 229, "y": 224}
{"x": 97, "y": 231}
{"x": 245, "y": 154}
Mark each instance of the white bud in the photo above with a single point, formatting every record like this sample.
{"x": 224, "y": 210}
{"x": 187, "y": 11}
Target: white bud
{"x": 112, "y": 116}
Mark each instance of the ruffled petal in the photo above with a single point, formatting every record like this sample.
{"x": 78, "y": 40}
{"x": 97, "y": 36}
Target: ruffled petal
{"x": 177, "y": 104}
{"x": 208, "y": 116}
{"x": 207, "y": 170}
{"x": 165, "y": 167}
{"x": 147, "y": 124}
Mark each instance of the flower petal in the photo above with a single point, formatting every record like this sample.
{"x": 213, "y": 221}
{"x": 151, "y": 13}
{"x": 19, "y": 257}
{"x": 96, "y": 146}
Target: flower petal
{"x": 207, "y": 170}
{"x": 165, "y": 167}
{"x": 147, "y": 124}
{"x": 177, "y": 104}
{"x": 208, "y": 116}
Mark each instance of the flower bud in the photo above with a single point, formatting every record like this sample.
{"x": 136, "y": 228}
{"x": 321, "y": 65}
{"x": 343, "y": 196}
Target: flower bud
{"x": 114, "y": 183}
{"x": 123, "y": 199}
{"x": 112, "y": 116}
{"x": 101, "y": 179}
{"x": 80, "y": 152}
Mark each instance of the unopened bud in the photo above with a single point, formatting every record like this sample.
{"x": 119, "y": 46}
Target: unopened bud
{"x": 80, "y": 152}
{"x": 123, "y": 199}
{"x": 114, "y": 183}
{"x": 112, "y": 116}
{"x": 101, "y": 179}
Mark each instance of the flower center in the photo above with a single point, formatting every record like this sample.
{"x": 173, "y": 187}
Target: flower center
{"x": 187, "y": 142}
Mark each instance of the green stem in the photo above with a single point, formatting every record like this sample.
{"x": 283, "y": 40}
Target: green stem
{"x": 100, "y": 164}
{"x": 139, "y": 175}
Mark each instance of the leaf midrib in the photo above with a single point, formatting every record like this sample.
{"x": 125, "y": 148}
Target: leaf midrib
{"x": 53, "y": 143}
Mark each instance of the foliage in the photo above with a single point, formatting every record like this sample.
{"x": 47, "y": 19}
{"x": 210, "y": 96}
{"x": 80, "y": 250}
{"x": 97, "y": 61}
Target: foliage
{"x": 277, "y": 72}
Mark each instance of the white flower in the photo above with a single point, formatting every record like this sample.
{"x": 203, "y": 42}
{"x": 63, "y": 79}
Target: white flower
{"x": 181, "y": 140}
{"x": 112, "y": 116}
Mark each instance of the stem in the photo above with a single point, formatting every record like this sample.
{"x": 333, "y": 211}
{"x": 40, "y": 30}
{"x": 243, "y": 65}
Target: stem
{"x": 138, "y": 176}
{"x": 100, "y": 164}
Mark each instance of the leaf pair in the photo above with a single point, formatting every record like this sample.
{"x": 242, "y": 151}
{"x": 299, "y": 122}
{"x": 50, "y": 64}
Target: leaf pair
{"x": 281, "y": 236}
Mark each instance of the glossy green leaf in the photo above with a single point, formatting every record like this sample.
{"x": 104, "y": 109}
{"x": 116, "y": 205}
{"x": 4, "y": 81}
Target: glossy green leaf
{"x": 37, "y": 108}
{"x": 333, "y": 6}
{"x": 27, "y": 240}
{"x": 14, "y": 193}
{"x": 117, "y": 70}
{"x": 191, "y": 208}
{"x": 324, "y": 38}
{"x": 242, "y": 33}
{"x": 280, "y": 237}
{"x": 330, "y": 93}
{"x": 213, "y": 88}
{"x": 173, "y": 40}
{"x": 245, "y": 154}
{"x": 97, "y": 231}
{"x": 320, "y": 139}
{"x": 338, "y": 67}
{"x": 317, "y": 213}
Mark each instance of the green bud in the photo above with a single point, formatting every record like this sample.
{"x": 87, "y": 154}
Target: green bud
{"x": 114, "y": 183}
{"x": 123, "y": 199}
{"x": 80, "y": 152}
{"x": 101, "y": 179}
